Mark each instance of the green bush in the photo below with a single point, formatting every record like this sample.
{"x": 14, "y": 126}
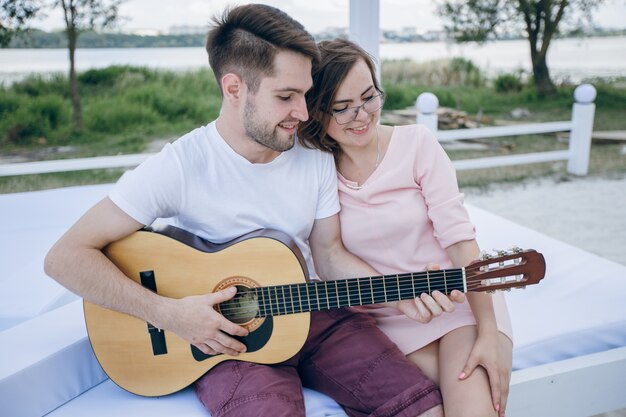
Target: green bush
{"x": 124, "y": 103}
{"x": 463, "y": 71}
{"x": 506, "y": 83}
{"x": 110, "y": 75}
{"x": 398, "y": 96}
{"x": 35, "y": 118}
{"x": 449, "y": 72}
{"x": 9, "y": 102}
{"x": 171, "y": 104}
{"x": 38, "y": 85}
{"x": 114, "y": 116}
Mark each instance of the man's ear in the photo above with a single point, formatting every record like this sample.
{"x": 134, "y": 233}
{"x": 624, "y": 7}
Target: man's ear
{"x": 233, "y": 88}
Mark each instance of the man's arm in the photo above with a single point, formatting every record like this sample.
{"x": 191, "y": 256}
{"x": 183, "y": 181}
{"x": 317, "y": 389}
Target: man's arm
{"x": 333, "y": 261}
{"x": 76, "y": 261}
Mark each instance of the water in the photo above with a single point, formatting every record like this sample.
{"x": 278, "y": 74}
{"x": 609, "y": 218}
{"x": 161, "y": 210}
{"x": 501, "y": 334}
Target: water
{"x": 571, "y": 59}
{"x": 567, "y": 58}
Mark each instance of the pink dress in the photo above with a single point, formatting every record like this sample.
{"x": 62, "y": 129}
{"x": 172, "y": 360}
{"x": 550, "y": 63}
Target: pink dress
{"x": 407, "y": 213}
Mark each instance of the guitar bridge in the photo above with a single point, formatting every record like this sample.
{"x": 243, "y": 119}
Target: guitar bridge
{"x": 157, "y": 336}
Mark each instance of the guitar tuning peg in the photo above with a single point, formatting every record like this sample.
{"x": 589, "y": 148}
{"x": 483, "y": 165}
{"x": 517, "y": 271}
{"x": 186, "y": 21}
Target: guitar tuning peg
{"x": 484, "y": 255}
{"x": 515, "y": 249}
{"x": 500, "y": 252}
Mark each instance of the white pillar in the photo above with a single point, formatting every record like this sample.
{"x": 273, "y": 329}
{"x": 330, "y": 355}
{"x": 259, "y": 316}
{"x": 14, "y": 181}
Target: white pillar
{"x": 365, "y": 28}
{"x": 583, "y": 113}
{"x": 427, "y": 104}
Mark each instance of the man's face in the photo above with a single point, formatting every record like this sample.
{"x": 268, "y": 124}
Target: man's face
{"x": 272, "y": 114}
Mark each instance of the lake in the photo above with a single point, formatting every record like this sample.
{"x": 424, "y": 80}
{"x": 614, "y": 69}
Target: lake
{"x": 571, "y": 59}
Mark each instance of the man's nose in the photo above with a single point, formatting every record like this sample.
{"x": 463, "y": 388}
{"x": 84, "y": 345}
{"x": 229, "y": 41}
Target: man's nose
{"x": 301, "y": 112}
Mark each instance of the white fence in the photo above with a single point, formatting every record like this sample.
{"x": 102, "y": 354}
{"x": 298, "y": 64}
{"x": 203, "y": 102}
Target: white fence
{"x": 580, "y": 128}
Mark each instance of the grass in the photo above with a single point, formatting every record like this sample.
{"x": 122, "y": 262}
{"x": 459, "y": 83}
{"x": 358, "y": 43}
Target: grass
{"x": 24, "y": 183}
{"x": 128, "y": 108}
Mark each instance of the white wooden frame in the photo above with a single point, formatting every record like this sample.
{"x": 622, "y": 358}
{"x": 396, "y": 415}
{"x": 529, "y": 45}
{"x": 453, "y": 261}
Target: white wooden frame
{"x": 577, "y": 387}
{"x": 580, "y": 128}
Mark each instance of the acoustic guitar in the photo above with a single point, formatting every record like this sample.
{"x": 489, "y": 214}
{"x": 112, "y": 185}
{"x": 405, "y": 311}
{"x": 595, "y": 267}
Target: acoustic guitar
{"x": 273, "y": 301}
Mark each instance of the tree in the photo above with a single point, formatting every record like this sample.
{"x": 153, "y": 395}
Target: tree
{"x": 79, "y": 16}
{"x": 481, "y": 20}
{"x": 14, "y": 16}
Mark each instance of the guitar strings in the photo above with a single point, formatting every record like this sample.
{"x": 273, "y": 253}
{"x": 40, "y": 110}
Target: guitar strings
{"x": 331, "y": 301}
{"x": 283, "y": 305}
{"x": 290, "y": 301}
{"x": 286, "y": 306}
{"x": 283, "y": 300}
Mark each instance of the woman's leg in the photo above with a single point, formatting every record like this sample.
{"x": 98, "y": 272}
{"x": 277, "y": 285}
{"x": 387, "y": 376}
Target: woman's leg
{"x": 443, "y": 360}
{"x": 471, "y": 396}
{"x": 427, "y": 360}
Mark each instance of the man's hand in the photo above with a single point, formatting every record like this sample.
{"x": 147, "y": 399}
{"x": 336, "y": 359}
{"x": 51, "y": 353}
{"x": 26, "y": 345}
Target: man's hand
{"x": 426, "y": 307}
{"x": 195, "y": 320}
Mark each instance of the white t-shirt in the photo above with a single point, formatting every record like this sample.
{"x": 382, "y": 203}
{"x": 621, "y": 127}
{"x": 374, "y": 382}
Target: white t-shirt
{"x": 208, "y": 189}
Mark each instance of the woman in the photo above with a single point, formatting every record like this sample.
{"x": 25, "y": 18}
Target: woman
{"x": 401, "y": 211}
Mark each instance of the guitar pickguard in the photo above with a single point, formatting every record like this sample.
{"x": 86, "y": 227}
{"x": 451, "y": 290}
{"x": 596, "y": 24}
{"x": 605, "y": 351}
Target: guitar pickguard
{"x": 254, "y": 341}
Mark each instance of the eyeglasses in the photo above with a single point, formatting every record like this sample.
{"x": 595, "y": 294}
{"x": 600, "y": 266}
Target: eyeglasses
{"x": 372, "y": 104}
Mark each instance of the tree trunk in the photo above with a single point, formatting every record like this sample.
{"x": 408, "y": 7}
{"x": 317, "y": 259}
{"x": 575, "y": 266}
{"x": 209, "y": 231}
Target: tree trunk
{"x": 77, "y": 117}
{"x": 541, "y": 74}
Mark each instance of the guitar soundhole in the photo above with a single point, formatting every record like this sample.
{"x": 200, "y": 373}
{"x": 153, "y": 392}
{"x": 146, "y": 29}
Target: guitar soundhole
{"x": 243, "y": 308}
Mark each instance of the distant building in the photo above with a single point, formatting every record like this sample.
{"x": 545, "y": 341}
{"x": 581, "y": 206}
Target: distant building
{"x": 331, "y": 33}
{"x": 143, "y": 32}
{"x": 188, "y": 30}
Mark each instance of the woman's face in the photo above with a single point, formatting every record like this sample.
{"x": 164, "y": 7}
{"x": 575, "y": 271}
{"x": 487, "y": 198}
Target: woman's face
{"x": 356, "y": 127}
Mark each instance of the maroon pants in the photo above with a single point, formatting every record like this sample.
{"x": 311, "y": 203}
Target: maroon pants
{"x": 345, "y": 357}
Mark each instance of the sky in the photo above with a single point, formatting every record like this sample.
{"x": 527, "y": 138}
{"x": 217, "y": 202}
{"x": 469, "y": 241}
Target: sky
{"x": 315, "y": 15}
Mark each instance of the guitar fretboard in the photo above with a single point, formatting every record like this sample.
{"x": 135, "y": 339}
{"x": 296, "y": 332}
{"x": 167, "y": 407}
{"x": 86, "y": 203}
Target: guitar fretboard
{"x": 322, "y": 295}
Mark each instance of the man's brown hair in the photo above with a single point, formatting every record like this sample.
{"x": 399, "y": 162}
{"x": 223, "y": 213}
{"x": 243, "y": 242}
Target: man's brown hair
{"x": 245, "y": 40}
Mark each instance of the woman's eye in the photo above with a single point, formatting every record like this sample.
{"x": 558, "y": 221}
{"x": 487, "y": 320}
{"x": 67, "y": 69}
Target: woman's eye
{"x": 284, "y": 98}
{"x": 339, "y": 111}
{"x": 366, "y": 99}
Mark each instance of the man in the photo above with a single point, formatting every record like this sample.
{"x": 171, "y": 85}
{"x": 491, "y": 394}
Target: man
{"x": 235, "y": 175}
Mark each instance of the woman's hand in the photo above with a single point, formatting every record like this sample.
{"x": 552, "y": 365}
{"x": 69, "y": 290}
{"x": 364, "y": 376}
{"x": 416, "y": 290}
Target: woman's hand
{"x": 492, "y": 351}
{"x": 426, "y": 307}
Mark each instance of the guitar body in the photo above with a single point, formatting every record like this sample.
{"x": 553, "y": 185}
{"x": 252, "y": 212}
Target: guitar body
{"x": 151, "y": 362}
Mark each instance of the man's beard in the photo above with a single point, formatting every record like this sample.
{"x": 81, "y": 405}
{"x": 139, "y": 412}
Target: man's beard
{"x": 264, "y": 134}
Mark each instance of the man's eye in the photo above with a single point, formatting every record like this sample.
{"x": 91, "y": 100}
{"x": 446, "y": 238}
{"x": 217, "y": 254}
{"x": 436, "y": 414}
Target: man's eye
{"x": 284, "y": 98}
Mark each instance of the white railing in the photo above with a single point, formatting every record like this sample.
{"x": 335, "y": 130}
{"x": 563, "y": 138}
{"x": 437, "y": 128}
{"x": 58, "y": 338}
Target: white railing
{"x": 76, "y": 164}
{"x": 580, "y": 128}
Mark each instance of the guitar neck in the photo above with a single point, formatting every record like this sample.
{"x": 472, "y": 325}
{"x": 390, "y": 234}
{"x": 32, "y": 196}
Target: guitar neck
{"x": 324, "y": 295}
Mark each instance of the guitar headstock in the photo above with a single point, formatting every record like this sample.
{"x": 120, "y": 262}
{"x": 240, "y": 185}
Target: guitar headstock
{"x": 505, "y": 270}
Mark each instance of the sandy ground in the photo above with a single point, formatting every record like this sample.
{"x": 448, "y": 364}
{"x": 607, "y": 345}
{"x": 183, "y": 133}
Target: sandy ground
{"x": 589, "y": 213}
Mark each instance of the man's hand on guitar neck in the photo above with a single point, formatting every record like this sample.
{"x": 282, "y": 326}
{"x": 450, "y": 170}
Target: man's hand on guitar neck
{"x": 194, "y": 319}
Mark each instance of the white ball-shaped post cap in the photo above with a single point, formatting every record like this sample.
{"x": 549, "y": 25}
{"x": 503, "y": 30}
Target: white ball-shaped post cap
{"x": 585, "y": 94}
{"x": 427, "y": 103}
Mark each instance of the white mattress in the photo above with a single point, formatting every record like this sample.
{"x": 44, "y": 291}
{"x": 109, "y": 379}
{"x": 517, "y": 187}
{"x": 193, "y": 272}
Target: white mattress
{"x": 575, "y": 310}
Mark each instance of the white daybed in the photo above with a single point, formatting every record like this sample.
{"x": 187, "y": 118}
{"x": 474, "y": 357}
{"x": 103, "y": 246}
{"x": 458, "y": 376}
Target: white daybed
{"x": 570, "y": 330}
